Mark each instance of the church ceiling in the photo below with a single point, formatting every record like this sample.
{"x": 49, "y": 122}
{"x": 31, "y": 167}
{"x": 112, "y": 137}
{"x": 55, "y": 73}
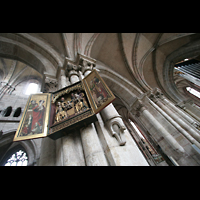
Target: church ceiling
{"x": 13, "y": 71}
{"x": 138, "y": 57}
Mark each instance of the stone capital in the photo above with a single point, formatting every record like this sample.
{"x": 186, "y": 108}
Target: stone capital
{"x": 82, "y": 63}
{"x": 86, "y": 65}
{"x": 158, "y": 93}
{"x": 137, "y": 107}
{"x": 153, "y": 98}
{"x": 181, "y": 104}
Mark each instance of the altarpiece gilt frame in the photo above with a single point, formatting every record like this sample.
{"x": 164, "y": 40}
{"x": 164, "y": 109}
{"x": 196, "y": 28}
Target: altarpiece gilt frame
{"x": 66, "y": 110}
{"x": 35, "y": 118}
{"x": 97, "y": 91}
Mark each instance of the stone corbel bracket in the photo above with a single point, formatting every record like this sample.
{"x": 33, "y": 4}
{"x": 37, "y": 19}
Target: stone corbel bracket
{"x": 117, "y": 128}
{"x": 137, "y": 107}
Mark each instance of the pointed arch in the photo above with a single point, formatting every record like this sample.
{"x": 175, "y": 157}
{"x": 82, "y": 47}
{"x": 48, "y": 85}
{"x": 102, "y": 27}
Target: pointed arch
{"x": 7, "y": 145}
{"x": 90, "y": 44}
{"x": 119, "y": 85}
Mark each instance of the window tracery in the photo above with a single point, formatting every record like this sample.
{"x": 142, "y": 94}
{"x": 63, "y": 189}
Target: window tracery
{"x": 19, "y": 158}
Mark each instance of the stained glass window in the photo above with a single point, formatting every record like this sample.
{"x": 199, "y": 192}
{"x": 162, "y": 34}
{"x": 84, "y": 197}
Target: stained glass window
{"x": 19, "y": 158}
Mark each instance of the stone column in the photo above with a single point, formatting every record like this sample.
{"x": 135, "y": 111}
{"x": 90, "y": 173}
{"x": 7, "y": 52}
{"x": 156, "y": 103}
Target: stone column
{"x": 138, "y": 106}
{"x": 63, "y": 79}
{"x": 93, "y": 151}
{"x": 94, "y": 155}
{"x": 125, "y": 155}
{"x": 47, "y": 152}
{"x": 114, "y": 123}
{"x": 152, "y": 101}
{"x": 62, "y": 82}
{"x": 69, "y": 147}
{"x": 159, "y": 94}
{"x": 177, "y": 119}
{"x": 193, "y": 110}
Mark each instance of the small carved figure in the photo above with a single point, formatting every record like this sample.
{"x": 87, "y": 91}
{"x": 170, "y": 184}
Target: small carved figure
{"x": 60, "y": 113}
{"x": 75, "y": 101}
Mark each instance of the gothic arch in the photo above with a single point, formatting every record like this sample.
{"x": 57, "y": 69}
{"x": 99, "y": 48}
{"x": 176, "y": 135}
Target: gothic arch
{"x": 15, "y": 48}
{"x": 15, "y": 52}
{"x": 7, "y": 111}
{"x": 186, "y": 51}
{"x": 6, "y": 143}
{"x": 28, "y": 79}
{"x": 121, "y": 87}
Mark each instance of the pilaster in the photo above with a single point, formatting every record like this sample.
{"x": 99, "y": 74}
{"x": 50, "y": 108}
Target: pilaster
{"x": 189, "y": 128}
{"x": 138, "y": 108}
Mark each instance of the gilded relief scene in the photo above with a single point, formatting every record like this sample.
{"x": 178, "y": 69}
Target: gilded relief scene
{"x": 35, "y": 116}
{"x": 70, "y": 105}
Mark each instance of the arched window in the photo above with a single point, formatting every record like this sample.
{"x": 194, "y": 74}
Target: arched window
{"x": 17, "y": 112}
{"x": 193, "y": 91}
{"x": 7, "y": 111}
{"x": 16, "y": 157}
{"x": 32, "y": 88}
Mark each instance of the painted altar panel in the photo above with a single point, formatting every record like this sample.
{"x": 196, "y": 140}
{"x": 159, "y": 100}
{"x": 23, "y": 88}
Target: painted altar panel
{"x": 71, "y": 110}
{"x": 70, "y": 102}
{"x": 35, "y": 118}
{"x": 97, "y": 91}
{"x": 64, "y": 111}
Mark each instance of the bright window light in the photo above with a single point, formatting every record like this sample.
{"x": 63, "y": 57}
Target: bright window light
{"x": 32, "y": 88}
{"x": 193, "y": 91}
{"x": 137, "y": 130}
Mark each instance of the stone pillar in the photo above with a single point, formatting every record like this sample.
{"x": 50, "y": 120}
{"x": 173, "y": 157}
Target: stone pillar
{"x": 116, "y": 152}
{"x": 152, "y": 101}
{"x": 47, "y": 152}
{"x": 69, "y": 148}
{"x": 94, "y": 155}
{"x": 114, "y": 123}
{"x": 72, "y": 150}
{"x": 93, "y": 151}
{"x": 138, "y": 106}
{"x": 63, "y": 79}
{"x": 74, "y": 77}
{"x": 193, "y": 110}
{"x": 62, "y": 82}
{"x": 159, "y": 94}
{"x": 126, "y": 155}
{"x": 177, "y": 119}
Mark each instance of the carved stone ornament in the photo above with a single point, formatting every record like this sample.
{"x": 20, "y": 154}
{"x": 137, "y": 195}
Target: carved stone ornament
{"x": 137, "y": 107}
{"x": 153, "y": 98}
{"x": 117, "y": 129}
{"x": 158, "y": 94}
